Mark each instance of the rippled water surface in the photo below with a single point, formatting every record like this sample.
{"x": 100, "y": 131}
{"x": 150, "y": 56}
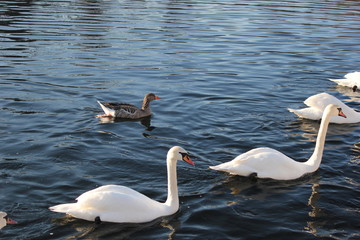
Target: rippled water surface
{"x": 226, "y": 72}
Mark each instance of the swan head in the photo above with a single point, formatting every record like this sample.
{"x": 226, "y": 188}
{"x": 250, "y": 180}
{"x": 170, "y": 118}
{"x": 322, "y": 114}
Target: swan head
{"x": 178, "y": 153}
{"x": 4, "y": 220}
{"x": 334, "y": 110}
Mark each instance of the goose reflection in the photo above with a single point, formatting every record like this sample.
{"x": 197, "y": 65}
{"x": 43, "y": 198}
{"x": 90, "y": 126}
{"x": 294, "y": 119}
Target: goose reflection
{"x": 93, "y": 231}
{"x": 144, "y": 121}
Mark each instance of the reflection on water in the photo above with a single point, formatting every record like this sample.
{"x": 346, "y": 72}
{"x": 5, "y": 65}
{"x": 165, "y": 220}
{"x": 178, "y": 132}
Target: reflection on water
{"x": 312, "y": 226}
{"x": 356, "y": 153}
{"x": 93, "y": 231}
{"x": 144, "y": 121}
{"x": 227, "y": 70}
{"x": 310, "y": 129}
{"x": 352, "y": 97}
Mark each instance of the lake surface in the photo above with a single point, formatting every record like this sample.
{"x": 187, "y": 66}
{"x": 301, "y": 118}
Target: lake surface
{"x": 226, "y": 72}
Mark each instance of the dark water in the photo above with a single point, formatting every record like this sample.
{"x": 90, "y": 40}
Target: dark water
{"x": 226, "y": 72}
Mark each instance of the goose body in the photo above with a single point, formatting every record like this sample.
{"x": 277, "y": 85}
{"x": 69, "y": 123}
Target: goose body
{"x": 4, "y": 220}
{"x": 128, "y": 111}
{"x": 316, "y": 105}
{"x": 351, "y": 80}
{"x": 269, "y": 163}
{"x": 120, "y": 204}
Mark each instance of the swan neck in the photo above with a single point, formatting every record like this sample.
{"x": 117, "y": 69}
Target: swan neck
{"x": 316, "y": 157}
{"x": 173, "y": 197}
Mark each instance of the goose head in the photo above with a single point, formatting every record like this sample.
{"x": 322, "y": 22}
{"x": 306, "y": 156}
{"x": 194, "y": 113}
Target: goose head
{"x": 4, "y": 220}
{"x": 334, "y": 110}
{"x": 178, "y": 153}
{"x": 151, "y": 97}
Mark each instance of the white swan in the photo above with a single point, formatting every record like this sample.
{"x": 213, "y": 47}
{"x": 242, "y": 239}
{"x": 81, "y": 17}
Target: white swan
{"x": 120, "y": 204}
{"x": 4, "y": 220}
{"x": 316, "y": 105}
{"x": 351, "y": 80}
{"x": 269, "y": 163}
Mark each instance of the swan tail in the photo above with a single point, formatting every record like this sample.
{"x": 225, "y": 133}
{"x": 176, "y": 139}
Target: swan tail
{"x": 295, "y": 111}
{"x": 63, "y": 208}
{"x": 108, "y": 111}
{"x": 308, "y": 113}
{"x": 220, "y": 167}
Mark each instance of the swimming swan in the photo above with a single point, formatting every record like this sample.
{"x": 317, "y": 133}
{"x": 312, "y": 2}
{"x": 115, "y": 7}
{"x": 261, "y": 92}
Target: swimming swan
{"x": 269, "y": 163}
{"x": 316, "y": 105}
{"x": 351, "y": 80}
{"x": 4, "y": 220}
{"x": 120, "y": 204}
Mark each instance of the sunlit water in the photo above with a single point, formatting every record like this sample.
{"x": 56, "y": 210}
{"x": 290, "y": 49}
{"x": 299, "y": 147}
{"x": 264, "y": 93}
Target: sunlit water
{"x": 226, "y": 72}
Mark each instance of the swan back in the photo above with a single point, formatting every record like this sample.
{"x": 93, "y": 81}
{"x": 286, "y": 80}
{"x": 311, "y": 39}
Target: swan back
{"x": 316, "y": 105}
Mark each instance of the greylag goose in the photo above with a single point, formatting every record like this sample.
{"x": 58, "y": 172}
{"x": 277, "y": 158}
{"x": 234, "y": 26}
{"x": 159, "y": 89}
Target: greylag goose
{"x": 129, "y": 111}
{"x": 4, "y": 220}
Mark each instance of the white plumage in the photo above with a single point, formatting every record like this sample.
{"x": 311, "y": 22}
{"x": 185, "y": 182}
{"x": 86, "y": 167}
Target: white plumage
{"x": 316, "y": 105}
{"x": 350, "y": 80}
{"x": 270, "y": 163}
{"x": 114, "y": 203}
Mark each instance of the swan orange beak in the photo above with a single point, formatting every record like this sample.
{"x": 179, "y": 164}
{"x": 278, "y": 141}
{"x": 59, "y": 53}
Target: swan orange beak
{"x": 156, "y": 97}
{"x": 341, "y": 114}
{"x": 187, "y": 159}
{"x": 10, "y": 221}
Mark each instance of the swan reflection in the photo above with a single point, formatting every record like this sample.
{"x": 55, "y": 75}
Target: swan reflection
{"x": 93, "y": 231}
{"x": 348, "y": 92}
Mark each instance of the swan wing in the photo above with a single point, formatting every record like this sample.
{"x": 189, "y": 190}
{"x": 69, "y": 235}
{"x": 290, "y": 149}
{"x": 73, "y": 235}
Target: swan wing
{"x": 266, "y": 163}
{"x": 321, "y": 100}
{"x": 344, "y": 82}
{"x": 113, "y": 204}
{"x": 308, "y": 113}
{"x": 349, "y": 80}
{"x": 316, "y": 105}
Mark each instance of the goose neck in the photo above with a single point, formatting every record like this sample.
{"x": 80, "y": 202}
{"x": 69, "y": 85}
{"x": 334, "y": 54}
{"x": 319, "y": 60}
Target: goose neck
{"x": 146, "y": 104}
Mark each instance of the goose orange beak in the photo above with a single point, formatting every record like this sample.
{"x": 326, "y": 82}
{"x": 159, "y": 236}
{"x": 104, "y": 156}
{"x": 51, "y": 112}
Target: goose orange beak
{"x": 156, "y": 98}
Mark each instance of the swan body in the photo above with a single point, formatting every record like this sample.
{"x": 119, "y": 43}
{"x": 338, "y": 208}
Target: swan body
{"x": 120, "y": 204}
{"x": 4, "y": 220}
{"x": 128, "y": 111}
{"x": 350, "y": 80}
{"x": 316, "y": 105}
{"x": 269, "y": 163}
